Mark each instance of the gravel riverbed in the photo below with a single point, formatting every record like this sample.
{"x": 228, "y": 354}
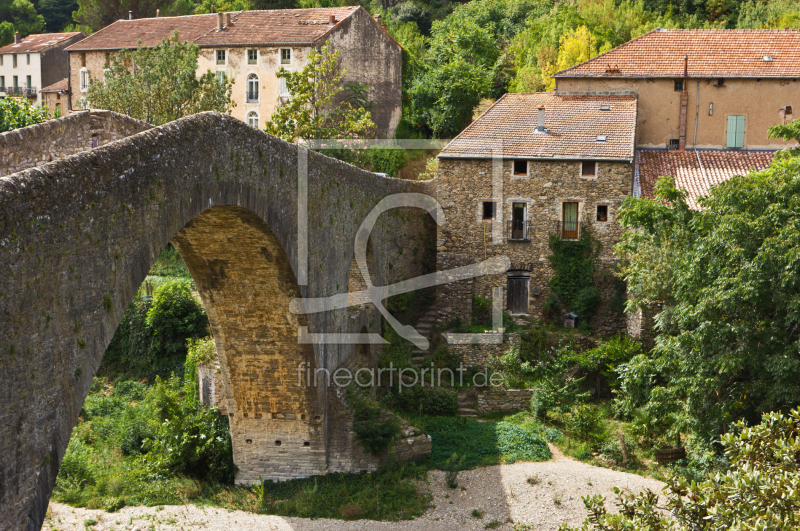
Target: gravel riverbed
{"x": 502, "y": 493}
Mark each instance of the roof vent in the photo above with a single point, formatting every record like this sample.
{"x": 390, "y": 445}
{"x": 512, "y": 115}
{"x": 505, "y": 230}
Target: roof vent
{"x": 332, "y": 20}
{"x": 17, "y": 37}
{"x": 602, "y": 138}
{"x": 219, "y": 21}
{"x": 605, "y": 108}
{"x": 130, "y": 15}
{"x": 767, "y": 58}
{"x": 227, "y": 19}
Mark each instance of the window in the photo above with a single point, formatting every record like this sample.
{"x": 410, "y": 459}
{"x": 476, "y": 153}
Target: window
{"x": 519, "y": 227}
{"x": 16, "y": 82}
{"x": 588, "y": 169}
{"x": 1, "y": 59}
{"x": 252, "y": 119}
{"x": 221, "y": 77}
{"x": 489, "y": 210}
{"x": 3, "y": 81}
{"x": 83, "y": 59}
{"x": 28, "y": 58}
{"x": 58, "y": 110}
{"x": 283, "y": 90}
{"x": 108, "y": 58}
{"x": 28, "y": 81}
{"x": 252, "y": 57}
{"x": 674, "y": 143}
{"x": 735, "y": 132}
{"x": 286, "y": 56}
{"x": 14, "y": 58}
{"x": 569, "y": 224}
{"x": 602, "y": 212}
{"x": 678, "y": 85}
{"x": 788, "y": 110}
{"x": 220, "y": 57}
{"x": 252, "y": 88}
{"x": 84, "y": 80}
{"x": 520, "y": 167}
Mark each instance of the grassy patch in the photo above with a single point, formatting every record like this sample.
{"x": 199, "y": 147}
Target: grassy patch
{"x": 481, "y": 443}
{"x": 169, "y": 264}
{"x": 389, "y": 493}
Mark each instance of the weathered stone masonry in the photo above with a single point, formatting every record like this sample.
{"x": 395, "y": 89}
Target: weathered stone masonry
{"x": 78, "y": 236}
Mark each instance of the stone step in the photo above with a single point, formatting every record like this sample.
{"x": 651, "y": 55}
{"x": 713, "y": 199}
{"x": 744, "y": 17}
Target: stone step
{"x": 467, "y": 412}
{"x": 418, "y": 360}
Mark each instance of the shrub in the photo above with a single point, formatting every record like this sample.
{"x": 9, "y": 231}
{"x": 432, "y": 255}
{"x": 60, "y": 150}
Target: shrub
{"x": 583, "y": 421}
{"x": 113, "y": 505}
{"x": 518, "y": 443}
{"x": 352, "y": 511}
{"x": 376, "y": 435}
{"x": 584, "y": 452}
{"x": 533, "y": 344}
{"x": 20, "y": 112}
{"x": 428, "y": 400}
{"x": 175, "y": 316}
{"x": 452, "y": 467}
{"x": 388, "y": 161}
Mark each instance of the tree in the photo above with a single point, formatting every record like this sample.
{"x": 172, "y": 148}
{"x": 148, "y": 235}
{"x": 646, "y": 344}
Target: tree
{"x": 761, "y": 491}
{"x": 159, "y": 85}
{"x": 26, "y": 20}
{"x": 790, "y": 131}
{"x": 6, "y": 33}
{"x": 96, "y": 14}
{"x": 316, "y": 108}
{"x": 728, "y": 344}
{"x": 57, "y": 13}
{"x": 19, "y": 112}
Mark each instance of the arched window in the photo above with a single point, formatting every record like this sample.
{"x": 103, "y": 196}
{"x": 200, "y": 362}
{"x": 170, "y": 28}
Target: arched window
{"x": 252, "y": 88}
{"x": 252, "y": 119}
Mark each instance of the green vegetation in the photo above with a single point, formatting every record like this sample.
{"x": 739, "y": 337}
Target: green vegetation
{"x": 21, "y": 16}
{"x": 19, "y": 112}
{"x": 389, "y": 493}
{"x": 163, "y": 87}
{"x": 760, "y": 491}
{"x": 573, "y": 282}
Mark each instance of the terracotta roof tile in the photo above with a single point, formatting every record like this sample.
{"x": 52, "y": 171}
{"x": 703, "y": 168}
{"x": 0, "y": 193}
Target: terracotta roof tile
{"x": 37, "y": 43}
{"x": 61, "y": 86}
{"x": 712, "y": 53}
{"x": 683, "y": 166}
{"x": 295, "y": 26}
{"x": 572, "y": 122}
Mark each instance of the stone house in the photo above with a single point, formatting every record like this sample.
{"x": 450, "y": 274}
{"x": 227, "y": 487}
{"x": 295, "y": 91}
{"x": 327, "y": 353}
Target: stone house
{"x": 713, "y": 89}
{"x": 250, "y": 46}
{"x": 533, "y": 165}
{"x": 52, "y": 97}
{"x": 34, "y": 62}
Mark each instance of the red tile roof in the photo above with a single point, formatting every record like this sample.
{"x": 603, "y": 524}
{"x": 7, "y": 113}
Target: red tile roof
{"x": 712, "y": 53}
{"x": 38, "y": 43}
{"x": 61, "y": 86}
{"x": 572, "y": 123}
{"x": 684, "y": 167}
{"x": 289, "y": 26}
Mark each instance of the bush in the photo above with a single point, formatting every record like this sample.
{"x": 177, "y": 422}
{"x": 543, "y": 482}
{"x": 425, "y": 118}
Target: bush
{"x": 388, "y": 161}
{"x": 428, "y": 400}
{"x": 452, "y": 467}
{"x": 519, "y": 444}
{"x": 19, "y": 112}
{"x": 582, "y": 422}
{"x": 533, "y": 344}
{"x": 175, "y": 316}
{"x": 375, "y": 435}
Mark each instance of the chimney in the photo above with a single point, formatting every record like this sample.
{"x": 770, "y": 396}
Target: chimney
{"x": 540, "y": 127}
{"x": 17, "y": 37}
{"x": 333, "y": 20}
{"x": 219, "y": 21}
{"x": 158, "y": 13}
{"x": 378, "y": 19}
{"x": 130, "y": 15}
{"x": 227, "y": 19}
{"x": 684, "y": 105}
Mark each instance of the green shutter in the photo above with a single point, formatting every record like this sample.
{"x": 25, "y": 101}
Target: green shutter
{"x": 735, "y": 137}
{"x": 740, "y": 131}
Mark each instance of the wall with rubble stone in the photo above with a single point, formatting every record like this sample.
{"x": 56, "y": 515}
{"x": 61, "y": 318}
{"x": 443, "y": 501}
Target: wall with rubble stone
{"x": 501, "y": 400}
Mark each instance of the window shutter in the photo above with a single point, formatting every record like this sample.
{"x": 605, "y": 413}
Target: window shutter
{"x": 731, "y": 141}
{"x": 740, "y": 131}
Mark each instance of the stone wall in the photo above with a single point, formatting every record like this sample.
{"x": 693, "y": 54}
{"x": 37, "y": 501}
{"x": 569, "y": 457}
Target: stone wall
{"x": 499, "y": 399}
{"x": 55, "y": 139}
{"x": 463, "y": 186}
{"x": 79, "y": 235}
{"x": 477, "y": 354}
{"x": 641, "y": 324}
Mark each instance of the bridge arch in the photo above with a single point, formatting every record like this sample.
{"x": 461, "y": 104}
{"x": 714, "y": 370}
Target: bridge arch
{"x": 78, "y": 236}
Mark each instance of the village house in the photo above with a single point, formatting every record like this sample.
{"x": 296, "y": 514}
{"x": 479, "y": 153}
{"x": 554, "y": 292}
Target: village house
{"x": 533, "y": 165}
{"x": 250, "y": 46}
{"x": 51, "y": 97}
{"x": 36, "y": 61}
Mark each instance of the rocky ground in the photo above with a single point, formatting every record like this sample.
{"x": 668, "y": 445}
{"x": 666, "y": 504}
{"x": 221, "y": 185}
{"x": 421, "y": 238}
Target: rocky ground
{"x": 503, "y": 494}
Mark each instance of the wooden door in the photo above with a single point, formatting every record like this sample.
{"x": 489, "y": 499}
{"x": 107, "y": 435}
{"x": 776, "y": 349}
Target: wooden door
{"x": 569, "y": 227}
{"x": 517, "y": 291}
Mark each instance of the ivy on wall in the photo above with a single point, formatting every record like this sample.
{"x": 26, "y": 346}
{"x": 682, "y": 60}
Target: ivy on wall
{"x": 575, "y": 268}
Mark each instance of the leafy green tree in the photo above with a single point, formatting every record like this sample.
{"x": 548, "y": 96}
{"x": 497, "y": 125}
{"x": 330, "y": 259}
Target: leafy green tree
{"x": 19, "y": 112}
{"x": 25, "y": 18}
{"x": 761, "y": 491}
{"x": 57, "y": 13}
{"x": 728, "y": 344}
{"x": 96, "y": 14}
{"x": 791, "y": 132}
{"x": 6, "y": 33}
{"x": 160, "y": 85}
{"x": 317, "y": 107}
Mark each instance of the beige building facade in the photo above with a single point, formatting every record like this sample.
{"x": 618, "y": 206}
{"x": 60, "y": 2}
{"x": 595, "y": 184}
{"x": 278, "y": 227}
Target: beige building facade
{"x": 250, "y": 47}
{"x": 567, "y": 166}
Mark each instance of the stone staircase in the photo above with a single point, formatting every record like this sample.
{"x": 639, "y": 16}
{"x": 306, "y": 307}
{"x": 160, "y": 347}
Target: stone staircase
{"x": 425, "y": 328}
{"x": 467, "y": 402}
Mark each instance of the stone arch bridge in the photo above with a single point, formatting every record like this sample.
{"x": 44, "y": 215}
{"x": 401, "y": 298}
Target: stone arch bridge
{"x": 79, "y": 234}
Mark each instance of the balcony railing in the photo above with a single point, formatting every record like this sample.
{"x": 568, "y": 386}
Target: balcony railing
{"x": 31, "y": 92}
{"x": 568, "y": 230}
{"x": 518, "y": 230}
{"x": 252, "y": 97}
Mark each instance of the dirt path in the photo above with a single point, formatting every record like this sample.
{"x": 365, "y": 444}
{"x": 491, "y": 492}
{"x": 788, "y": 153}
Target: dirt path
{"x": 502, "y": 493}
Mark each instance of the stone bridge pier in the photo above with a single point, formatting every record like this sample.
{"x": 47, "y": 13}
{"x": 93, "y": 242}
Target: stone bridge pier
{"x": 78, "y": 236}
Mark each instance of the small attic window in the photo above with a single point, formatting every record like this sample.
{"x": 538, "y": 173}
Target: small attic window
{"x": 767, "y": 58}
{"x": 602, "y": 138}
{"x": 605, "y": 108}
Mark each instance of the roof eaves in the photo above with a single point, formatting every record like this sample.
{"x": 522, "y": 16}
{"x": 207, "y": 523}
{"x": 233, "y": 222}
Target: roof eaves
{"x": 482, "y": 156}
